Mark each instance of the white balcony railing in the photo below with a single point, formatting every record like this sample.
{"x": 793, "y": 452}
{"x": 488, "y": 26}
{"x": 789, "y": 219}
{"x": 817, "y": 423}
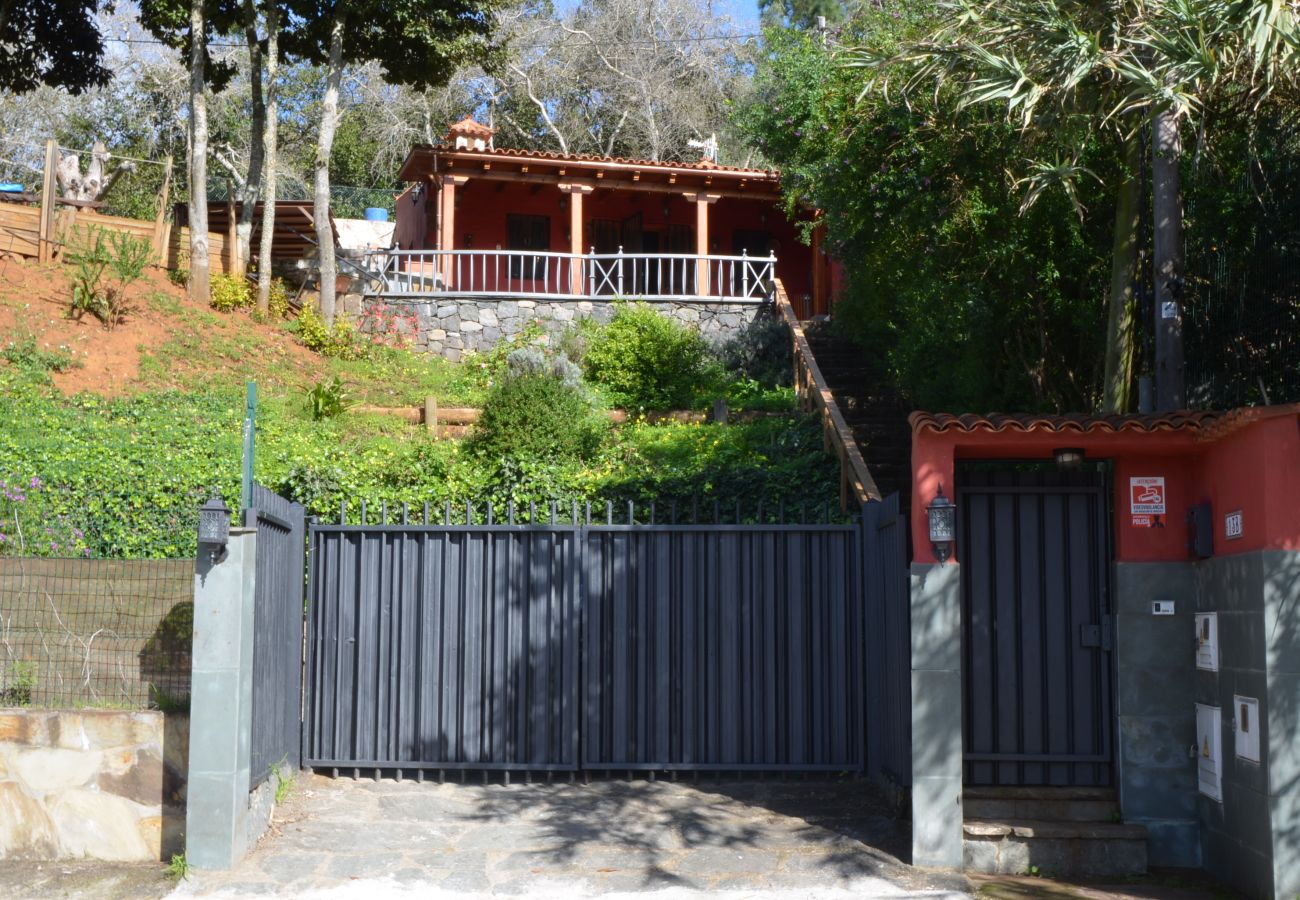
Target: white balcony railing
{"x": 525, "y": 273}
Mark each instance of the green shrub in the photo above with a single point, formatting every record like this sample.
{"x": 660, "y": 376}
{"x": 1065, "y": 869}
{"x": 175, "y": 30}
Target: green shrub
{"x": 327, "y": 399}
{"x": 277, "y": 300}
{"x": 538, "y": 416}
{"x": 96, "y": 253}
{"x": 761, "y": 353}
{"x": 340, "y": 341}
{"x": 19, "y": 680}
{"x": 645, "y": 360}
{"x": 230, "y": 292}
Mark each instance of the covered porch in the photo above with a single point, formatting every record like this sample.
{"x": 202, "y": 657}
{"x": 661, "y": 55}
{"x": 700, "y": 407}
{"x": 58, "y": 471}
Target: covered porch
{"x": 477, "y": 221}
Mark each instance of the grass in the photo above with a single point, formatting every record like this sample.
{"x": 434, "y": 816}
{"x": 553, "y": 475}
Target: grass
{"x": 179, "y": 867}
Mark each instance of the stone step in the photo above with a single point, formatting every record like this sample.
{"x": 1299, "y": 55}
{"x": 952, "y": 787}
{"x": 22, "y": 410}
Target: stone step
{"x": 1041, "y": 803}
{"x": 1064, "y": 849}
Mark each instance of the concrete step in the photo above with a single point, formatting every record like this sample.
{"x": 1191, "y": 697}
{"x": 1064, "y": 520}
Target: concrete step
{"x": 1066, "y": 849}
{"x": 1051, "y": 804}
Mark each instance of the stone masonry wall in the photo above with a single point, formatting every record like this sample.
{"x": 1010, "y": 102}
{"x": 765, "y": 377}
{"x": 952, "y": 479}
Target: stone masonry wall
{"x": 451, "y": 326}
{"x": 97, "y": 784}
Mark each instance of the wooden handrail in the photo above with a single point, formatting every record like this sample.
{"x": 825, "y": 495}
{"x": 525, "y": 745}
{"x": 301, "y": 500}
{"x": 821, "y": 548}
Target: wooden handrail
{"x": 856, "y": 484}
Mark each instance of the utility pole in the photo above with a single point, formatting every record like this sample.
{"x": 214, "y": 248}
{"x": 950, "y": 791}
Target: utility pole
{"x": 1166, "y": 151}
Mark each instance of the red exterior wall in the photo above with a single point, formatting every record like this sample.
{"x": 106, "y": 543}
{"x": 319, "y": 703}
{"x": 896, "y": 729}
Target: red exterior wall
{"x": 482, "y": 207}
{"x": 411, "y": 219}
{"x": 1254, "y": 469}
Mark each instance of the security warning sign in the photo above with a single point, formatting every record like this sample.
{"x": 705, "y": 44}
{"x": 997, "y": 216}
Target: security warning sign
{"x": 1147, "y": 501}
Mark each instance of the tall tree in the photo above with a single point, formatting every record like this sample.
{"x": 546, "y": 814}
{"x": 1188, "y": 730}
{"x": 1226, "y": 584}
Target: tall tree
{"x": 270, "y": 152}
{"x": 199, "y": 285}
{"x": 417, "y": 42}
{"x": 51, "y": 42}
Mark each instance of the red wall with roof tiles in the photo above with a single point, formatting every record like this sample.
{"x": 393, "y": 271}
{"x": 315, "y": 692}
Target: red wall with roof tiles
{"x": 1254, "y": 468}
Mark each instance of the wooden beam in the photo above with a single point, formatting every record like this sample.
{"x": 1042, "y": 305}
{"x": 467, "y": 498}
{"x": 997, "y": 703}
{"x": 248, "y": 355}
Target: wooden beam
{"x": 644, "y": 186}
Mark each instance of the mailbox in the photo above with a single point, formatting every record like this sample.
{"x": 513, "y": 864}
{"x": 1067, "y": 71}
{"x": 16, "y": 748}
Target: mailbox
{"x": 1209, "y": 755}
{"x": 1246, "y": 720}
{"x": 1207, "y": 641}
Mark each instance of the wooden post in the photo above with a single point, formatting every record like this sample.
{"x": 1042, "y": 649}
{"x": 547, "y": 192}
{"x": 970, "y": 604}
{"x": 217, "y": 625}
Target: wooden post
{"x": 49, "y": 191}
{"x": 160, "y": 220}
{"x": 819, "y": 270}
{"x": 431, "y": 416}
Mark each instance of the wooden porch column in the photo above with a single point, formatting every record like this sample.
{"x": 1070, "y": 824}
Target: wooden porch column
{"x": 818, "y": 271}
{"x": 576, "y": 192}
{"x": 447, "y": 227}
{"x": 702, "y": 203}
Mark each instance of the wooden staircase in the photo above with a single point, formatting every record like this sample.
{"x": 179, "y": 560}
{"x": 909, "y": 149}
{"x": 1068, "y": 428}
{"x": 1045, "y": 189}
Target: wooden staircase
{"x": 1052, "y": 831}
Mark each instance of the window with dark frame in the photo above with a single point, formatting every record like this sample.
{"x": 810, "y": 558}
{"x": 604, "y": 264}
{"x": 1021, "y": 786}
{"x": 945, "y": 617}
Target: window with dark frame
{"x": 524, "y": 232}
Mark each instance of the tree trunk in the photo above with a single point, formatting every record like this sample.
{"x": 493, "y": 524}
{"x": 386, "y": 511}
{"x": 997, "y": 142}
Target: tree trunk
{"x": 252, "y": 184}
{"x": 1117, "y": 389}
{"x": 329, "y": 121}
{"x": 1167, "y": 248}
{"x": 199, "y": 282}
{"x": 270, "y": 136}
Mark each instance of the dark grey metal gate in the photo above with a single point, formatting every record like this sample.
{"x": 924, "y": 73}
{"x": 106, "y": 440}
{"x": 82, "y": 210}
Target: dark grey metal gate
{"x": 573, "y": 645}
{"x": 444, "y": 647}
{"x": 889, "y": 641}
{"x": 722, "y": 647}
{"x": 277, "y": 631}
{"x": 1035, "y": 553}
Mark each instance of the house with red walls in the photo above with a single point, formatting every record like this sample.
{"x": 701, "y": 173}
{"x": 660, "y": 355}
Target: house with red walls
{"x": 1105, "y": 634}
{"x": 479, "y": 222}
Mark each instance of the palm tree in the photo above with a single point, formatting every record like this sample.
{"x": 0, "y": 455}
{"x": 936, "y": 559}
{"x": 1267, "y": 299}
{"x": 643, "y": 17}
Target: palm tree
{"x": 1073, "y": 72}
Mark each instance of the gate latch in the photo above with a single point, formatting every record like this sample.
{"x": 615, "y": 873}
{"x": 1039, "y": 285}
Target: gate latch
{"x": 1096, "y": 635}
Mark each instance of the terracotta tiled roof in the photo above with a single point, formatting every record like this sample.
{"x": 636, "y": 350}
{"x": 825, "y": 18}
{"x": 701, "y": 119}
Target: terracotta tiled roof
{"x": 1233, "y": 419}
{"x": 702, "y": 165}
{"x": 1077, "y": 423}
{"x": 467, "y": 125}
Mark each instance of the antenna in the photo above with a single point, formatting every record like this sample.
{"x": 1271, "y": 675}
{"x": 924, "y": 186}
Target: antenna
{"x": 710, "y": 147}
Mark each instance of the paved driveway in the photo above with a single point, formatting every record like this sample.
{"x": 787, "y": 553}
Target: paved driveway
{"x": 338, "y": 838}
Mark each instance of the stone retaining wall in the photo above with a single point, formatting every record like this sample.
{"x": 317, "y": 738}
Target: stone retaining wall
{"x": 451, "y": 326}
{"x": 97, "y": 784}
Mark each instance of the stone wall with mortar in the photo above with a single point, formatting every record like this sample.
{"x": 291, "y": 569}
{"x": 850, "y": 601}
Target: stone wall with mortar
{"x": 94, "y": 784}
{"x": 452, "y": 326}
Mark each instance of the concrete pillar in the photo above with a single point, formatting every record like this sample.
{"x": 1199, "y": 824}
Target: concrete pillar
{"x": 702, "y": 203}
{"x": 221, "y": 705}
{"x": 576, "y": 192}
{"x": 936, "y": 715}
{"x": 447, "y": 226}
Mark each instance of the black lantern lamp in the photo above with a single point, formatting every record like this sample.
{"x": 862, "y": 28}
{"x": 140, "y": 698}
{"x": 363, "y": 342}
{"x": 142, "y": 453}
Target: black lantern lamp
{"x": 214, "y": 526}
{"x": 942, "y": 513}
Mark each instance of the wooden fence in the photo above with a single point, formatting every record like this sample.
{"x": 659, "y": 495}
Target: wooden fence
{"x": 21, "y": 235}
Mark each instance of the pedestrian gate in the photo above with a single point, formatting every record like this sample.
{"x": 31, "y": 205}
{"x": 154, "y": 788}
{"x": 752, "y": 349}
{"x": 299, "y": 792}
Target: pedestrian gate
{"x": 580, "y": 645}
{"x": 1037, "y": 627}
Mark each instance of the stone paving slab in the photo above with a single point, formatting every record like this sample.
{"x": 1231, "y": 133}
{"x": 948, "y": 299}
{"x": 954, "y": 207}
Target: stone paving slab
{"x": 345, "y": 838}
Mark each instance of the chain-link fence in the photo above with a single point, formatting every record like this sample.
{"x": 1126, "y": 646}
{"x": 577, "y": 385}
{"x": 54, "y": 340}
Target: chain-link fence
{"x": 95, "y": 632}
{"x": 346, "y": 201}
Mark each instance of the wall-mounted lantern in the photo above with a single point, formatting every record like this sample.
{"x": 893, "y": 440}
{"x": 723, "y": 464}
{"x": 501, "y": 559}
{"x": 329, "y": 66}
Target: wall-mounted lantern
{"x": 214, "y": 526}
{"x": 942, "y": 514}
{"x": 1068, "y": 458}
